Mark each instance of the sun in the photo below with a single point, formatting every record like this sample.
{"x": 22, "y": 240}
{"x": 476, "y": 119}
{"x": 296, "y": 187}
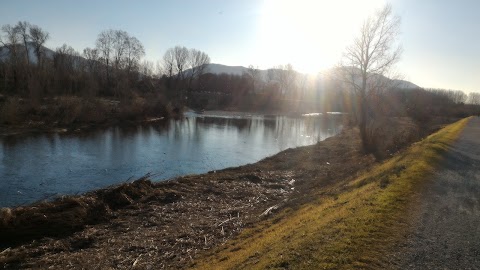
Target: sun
{"x": 309, "y": 34}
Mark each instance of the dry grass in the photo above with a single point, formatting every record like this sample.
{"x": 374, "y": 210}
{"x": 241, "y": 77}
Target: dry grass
{"x": 351, "y": 229}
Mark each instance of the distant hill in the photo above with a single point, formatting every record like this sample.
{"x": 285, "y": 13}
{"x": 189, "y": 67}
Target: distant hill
{"x": 405, "y": 84}
{"x": 239, "y": 70}
{"x": 223, "y": 69}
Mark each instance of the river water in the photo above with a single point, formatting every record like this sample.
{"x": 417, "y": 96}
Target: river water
{"x": 37, "y": 167}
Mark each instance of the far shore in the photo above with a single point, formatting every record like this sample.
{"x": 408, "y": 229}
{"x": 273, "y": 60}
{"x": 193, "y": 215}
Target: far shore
{"x": 44, "y": 127}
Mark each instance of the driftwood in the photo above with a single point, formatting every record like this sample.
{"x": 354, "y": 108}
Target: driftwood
{"x": 269, "y": 210}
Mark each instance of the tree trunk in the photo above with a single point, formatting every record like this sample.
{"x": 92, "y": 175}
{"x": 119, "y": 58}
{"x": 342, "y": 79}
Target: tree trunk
{"x": 363, "y": 125}
{"x": 363, "y": 121}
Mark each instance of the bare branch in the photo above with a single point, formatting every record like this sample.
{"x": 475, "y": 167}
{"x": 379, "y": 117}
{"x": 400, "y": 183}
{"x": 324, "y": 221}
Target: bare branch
{"x": 367, "y": 62}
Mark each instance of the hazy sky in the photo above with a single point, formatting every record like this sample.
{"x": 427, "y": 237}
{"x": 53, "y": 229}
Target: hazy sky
{"x": 441, "y": 39}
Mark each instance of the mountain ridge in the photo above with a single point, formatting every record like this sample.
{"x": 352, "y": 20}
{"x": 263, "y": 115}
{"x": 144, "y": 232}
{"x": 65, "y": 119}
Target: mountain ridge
{"x": 215, "y": 68}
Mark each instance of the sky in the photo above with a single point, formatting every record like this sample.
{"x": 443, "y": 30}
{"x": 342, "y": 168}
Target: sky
{"x": 440, "y": 38}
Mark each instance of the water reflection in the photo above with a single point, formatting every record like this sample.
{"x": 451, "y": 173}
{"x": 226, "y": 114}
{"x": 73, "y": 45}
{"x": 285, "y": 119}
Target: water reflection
{"x": 36, "y": 167}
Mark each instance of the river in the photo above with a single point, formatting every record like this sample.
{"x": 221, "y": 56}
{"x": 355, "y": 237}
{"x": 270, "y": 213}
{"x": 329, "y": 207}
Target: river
{"x": 44, "y": 166}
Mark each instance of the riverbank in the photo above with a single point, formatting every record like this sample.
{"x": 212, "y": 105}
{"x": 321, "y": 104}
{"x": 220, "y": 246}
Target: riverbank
{"x": 355, "y": 228}
{"x": 168, "y": 224}
{"x": 75, "y": 114}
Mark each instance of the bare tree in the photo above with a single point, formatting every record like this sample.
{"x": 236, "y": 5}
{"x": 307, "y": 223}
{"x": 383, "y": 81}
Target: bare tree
{"x": 38, "y": 37}
{"x": 197, "y": 63}
{"x": 181, "y": 60}
{"x": 458, "y": 97}
{"x": 371, "y": 56}
{"x": 65, "y": 63}
{"x": 254, "y": 75}
{"x": 104, "y": 46}
{"x": 286, "y": 77}
{"x": 168, "y": 67}
{"x": 474, "y": 98}
{"x": 65, "y": 58}
{"x": 134, "y": 51}
{"x": 92, "y": 57}
{"x": 147, "y": 68}
{"x": 168, "y": 63}
{"x": 119, "y": 47}
{"x": 159, "y": 69}
{"x": 11, "y": 42}
{"x": 454, "y": 96}
{"x": 22, "y": 29}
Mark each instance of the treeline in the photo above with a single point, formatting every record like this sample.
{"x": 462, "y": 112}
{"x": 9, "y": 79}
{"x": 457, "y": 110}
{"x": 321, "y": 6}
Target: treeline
{"x": 388, "y": 112}
{"x": 279, "y": 89}
{"x": 282, "y": 89}
{"x": 111, "y": 80}
{"x": 422, "y": 105}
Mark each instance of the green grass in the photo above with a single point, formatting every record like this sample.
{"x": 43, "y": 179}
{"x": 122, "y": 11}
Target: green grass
{"x": 349, "y": 231}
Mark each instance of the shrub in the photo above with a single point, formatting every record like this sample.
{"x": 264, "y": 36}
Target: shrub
{"x": 13, "y": 111}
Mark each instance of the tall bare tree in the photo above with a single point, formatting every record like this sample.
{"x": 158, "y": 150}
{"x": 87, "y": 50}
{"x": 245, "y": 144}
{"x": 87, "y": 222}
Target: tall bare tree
{"x": 168, "y": 63}
{"x": 104, "y": 46}
{"x": 11, "y": 42}
{"x": 197, "y": 63}
{"x": 23, "y": 29}
{"x": 119, "y": 47}
{"x": 254, "y": 75}
{"x": 38, "y": 37}
{"x": 371, "y": 56}
{"x": 134, "y": 51}
{"x": 181, "y": 56}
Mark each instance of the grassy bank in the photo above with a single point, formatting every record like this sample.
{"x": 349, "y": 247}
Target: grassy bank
{"x": 349, "y": 226}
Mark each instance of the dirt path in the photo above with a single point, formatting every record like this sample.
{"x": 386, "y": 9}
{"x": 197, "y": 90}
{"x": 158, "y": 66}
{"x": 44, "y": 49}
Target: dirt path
{"x": 446, "y": 221}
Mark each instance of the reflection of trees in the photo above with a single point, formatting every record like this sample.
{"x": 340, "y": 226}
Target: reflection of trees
{"x": 162, "y": 127}
{"x": 300, "y": 131}
{"x": 125, "y": 132}
{"x": 242, "y": 124}
{"x": 270, "y": 123}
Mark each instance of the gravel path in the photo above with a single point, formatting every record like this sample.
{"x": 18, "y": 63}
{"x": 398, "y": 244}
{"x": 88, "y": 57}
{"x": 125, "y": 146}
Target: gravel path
{"x": 446, "y": 222}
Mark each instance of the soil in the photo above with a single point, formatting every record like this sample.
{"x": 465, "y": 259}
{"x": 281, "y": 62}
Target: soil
{"x": 166, "y": 225}
{"x": 445, "y": 220}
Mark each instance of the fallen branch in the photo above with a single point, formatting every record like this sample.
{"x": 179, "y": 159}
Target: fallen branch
{"x": 269, "y": 210}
